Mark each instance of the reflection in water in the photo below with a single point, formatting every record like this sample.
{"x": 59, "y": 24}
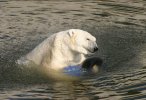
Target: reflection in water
{"x": 119, "y": 27}
{"x": 126, "y": 86}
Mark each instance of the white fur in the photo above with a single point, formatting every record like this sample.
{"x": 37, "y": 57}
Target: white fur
{"x": 61, "y": 49}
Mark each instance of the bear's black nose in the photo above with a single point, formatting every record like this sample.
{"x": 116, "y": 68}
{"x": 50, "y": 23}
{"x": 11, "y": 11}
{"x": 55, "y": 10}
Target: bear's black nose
{"x": 95, "y": 49}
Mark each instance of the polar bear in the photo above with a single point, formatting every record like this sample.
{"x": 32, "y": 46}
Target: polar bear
{"x": 62, "y": 49}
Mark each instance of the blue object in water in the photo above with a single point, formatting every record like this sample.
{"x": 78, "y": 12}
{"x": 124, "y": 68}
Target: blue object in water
{"x": 88, "y": 67}
{"x": 76, "y": 70}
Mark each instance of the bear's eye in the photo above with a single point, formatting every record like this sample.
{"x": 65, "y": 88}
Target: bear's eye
{"x": 88, "y": 39}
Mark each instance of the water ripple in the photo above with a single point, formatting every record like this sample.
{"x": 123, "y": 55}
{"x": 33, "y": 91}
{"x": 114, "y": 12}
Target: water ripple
{"x": 119, "y": 27}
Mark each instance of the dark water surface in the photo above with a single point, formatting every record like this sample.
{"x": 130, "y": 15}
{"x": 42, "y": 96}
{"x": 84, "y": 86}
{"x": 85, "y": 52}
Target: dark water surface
{"x": 120, "y": 29}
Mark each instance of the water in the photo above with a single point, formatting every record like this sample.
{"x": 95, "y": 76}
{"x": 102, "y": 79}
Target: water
{"x": 119, "y": 26}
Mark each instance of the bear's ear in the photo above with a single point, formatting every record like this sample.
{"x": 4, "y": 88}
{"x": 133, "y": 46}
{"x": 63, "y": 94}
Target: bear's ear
{"x": 71, "y": 33}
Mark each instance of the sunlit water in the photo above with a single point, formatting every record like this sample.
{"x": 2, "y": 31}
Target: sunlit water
{"x": 120, "y": 29}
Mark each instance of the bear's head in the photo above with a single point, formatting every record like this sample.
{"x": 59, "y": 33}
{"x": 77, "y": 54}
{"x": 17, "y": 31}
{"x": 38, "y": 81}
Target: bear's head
{"x": 82, "y": 41}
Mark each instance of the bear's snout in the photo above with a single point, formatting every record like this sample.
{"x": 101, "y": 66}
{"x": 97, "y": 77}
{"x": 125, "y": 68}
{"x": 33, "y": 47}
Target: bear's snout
{"x": 95, "y": 49}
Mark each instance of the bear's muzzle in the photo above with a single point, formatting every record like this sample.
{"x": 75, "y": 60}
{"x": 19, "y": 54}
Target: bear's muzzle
{"x": 93, "y": 47}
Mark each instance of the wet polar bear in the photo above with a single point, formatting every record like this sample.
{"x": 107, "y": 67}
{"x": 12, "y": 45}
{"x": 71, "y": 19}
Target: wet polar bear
{"x": 62, "y": 49}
